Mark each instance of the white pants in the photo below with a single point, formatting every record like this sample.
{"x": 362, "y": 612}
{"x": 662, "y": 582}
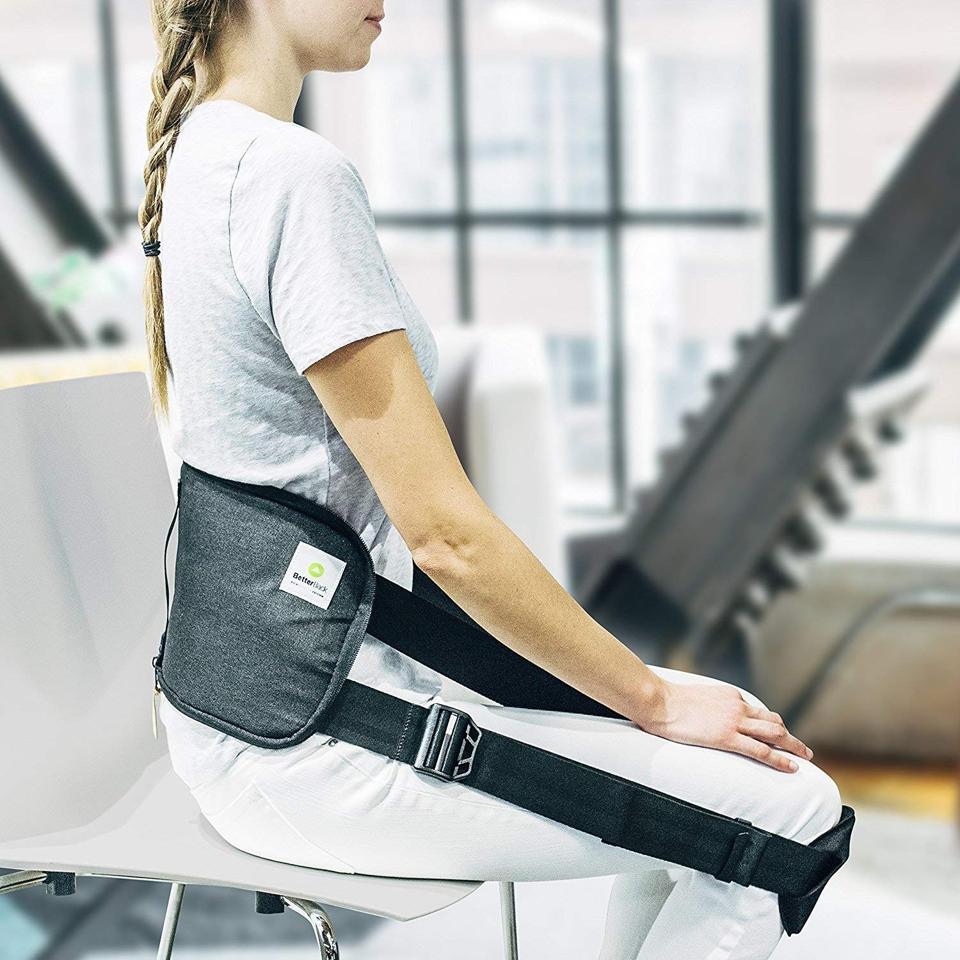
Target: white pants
{"x": 329, "y": 804}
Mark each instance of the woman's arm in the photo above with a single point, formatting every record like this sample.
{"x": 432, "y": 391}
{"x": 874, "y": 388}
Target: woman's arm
{"x": 376, "y": 396}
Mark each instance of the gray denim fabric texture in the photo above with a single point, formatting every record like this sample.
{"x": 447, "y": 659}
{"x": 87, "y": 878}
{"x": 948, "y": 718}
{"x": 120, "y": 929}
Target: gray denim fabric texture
{"x": 240, "y": 654}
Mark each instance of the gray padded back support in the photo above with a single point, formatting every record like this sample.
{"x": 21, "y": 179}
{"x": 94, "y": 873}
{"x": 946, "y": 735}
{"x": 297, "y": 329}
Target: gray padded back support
{"x": 241, "y": 654}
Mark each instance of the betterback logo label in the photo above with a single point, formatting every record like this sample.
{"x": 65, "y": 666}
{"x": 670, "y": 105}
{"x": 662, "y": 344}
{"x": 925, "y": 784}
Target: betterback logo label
{"x": 312, "y": 575}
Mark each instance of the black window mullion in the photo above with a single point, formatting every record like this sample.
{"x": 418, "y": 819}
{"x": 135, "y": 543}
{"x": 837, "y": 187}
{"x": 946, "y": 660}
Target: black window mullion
{"x": 461, "y": 162}
{"x": 111, "y": 114}
{"x": 789, "y": 145}
{"x": 613, "y": 114}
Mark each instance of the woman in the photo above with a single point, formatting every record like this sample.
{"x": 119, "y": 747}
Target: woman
{"x": 296, "y": 358}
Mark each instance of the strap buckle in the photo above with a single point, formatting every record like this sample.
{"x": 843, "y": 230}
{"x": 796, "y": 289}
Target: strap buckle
{"x": 449, "y": 743}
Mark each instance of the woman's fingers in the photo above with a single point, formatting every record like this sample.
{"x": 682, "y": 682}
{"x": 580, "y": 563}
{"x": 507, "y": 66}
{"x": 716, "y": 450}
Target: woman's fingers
{"x": 769, "y": 716}
{"x": 761, "y": 713}
{"x": 763, "y": 752}
{"x": 776, "y": 734}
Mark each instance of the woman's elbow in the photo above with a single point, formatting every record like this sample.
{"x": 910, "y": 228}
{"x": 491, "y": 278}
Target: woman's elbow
{"x": 452, "y": 546}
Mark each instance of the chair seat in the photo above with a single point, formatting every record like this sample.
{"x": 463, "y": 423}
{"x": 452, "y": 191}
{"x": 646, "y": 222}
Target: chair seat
{"x": 157, "y": 832}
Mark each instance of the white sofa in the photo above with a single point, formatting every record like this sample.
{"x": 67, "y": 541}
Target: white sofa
{"x": 494, "y": 393}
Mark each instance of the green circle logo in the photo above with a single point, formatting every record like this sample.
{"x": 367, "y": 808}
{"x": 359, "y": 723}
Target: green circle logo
{"x": 315, "y": 570}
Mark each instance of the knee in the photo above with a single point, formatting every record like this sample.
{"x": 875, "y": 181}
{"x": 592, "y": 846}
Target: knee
{"x": 811, "y": 803}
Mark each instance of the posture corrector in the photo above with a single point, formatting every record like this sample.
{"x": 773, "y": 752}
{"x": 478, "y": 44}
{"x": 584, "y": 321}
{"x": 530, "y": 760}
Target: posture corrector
{"x": 273, "y": 594}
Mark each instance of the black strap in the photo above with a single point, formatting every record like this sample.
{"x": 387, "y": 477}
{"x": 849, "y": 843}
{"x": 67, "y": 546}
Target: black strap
{"x": 427, "y": 625}
{"x": 430, "y": 627}
{"x": 618, "y": 811}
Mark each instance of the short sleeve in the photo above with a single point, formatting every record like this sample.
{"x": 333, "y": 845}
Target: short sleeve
{"x": 305, "y": 249}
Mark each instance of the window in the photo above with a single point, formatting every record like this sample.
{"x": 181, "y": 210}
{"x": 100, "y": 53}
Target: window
{"x": 606, "y": 181}
{"x": 582, "y": 376}
{"x": 392, "y": 118}
{"x": 694, "y": 125}
{"x": 688, "y": 293}
{"x": 55, "y": 77}
{"x": 534, "y": 104}
{"x": 556, "y": 280}
{"x": 490, "y": 131}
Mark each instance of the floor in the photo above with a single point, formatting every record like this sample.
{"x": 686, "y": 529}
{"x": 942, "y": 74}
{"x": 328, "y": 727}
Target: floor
{"x": 927, "y": 790}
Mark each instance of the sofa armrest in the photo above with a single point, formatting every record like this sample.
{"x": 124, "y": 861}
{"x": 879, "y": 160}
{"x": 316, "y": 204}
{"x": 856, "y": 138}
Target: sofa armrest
{"x": 513, "y": 440}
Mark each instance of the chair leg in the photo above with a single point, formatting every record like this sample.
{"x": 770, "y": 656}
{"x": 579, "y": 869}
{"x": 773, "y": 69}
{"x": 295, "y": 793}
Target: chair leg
{"x": 508, "y": 913}
{"x": 170, "y": 921}
{"x": 11, "y": 882}
{"x": 317, "y": 917}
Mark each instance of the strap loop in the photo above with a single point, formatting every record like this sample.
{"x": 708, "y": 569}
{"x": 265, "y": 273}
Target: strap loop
{"x": 745, "y": 853}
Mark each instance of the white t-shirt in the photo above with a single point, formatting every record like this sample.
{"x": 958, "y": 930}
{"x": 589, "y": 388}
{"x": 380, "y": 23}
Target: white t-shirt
{"x": 271, "y": 260}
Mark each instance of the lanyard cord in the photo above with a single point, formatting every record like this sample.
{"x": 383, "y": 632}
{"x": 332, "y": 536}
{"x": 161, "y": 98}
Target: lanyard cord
{"x": 166, "y": 545}
{"x": 166, "y": 582}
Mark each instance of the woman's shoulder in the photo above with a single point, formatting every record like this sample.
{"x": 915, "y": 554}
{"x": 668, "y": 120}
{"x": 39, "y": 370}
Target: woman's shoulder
{"x": 290, "y": 156}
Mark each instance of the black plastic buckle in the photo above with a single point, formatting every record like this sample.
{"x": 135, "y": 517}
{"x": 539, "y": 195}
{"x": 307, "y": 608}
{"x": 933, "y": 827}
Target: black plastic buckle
{"x": 449, "y": 743}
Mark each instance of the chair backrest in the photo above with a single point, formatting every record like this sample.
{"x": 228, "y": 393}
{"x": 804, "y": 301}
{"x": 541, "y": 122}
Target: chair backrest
{"x": 86, "y": 503}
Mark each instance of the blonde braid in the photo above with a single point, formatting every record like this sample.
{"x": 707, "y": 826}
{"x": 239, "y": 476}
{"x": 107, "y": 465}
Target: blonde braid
{"x": 185, "y": 32}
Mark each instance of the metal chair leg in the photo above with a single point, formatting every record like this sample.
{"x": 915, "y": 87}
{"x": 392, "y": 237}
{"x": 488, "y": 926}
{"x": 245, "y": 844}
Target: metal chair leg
{"x": 508, "y": 914}
{"x": 21, "y": 880}
{"x": 317, "y": 917}
{"x": 57, "y": 883}
{"x": 170, "y": 921}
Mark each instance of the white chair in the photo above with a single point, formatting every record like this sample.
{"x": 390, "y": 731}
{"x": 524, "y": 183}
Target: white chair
{"x": 86, "y": 789}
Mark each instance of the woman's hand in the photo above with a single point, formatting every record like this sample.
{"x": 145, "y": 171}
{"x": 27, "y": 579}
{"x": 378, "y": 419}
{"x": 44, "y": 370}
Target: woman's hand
{"x": 716, "y": 715}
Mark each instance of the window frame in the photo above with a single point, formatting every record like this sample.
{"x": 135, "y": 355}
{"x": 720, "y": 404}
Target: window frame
{"x": 790, "y": 217}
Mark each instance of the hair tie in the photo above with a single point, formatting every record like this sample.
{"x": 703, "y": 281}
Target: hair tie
{"x": 151, "y": 249}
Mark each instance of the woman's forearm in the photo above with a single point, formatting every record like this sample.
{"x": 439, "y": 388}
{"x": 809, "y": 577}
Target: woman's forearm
{"x": 490, "y": 572}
